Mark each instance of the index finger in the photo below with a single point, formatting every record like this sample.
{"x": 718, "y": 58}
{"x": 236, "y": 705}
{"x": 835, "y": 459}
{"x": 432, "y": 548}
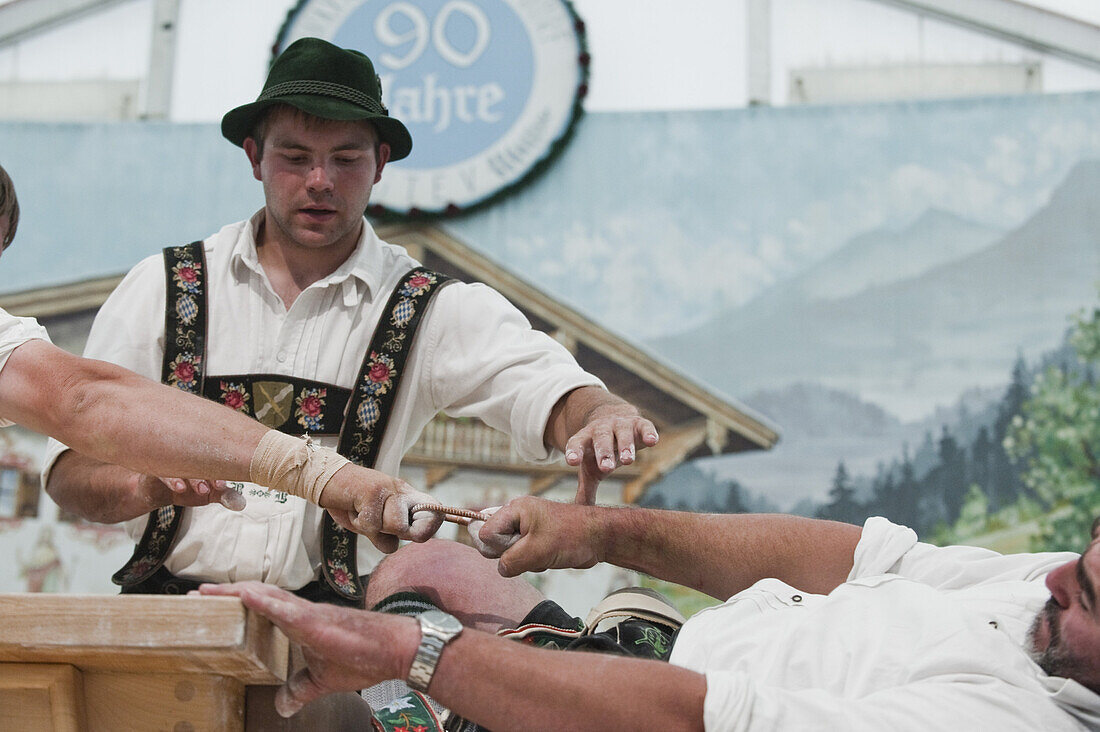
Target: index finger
{"x": 277, "y": 605}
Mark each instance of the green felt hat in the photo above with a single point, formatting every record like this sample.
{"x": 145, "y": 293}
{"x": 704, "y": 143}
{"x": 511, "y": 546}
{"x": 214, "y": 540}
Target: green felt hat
{"x": 328, "y": 82}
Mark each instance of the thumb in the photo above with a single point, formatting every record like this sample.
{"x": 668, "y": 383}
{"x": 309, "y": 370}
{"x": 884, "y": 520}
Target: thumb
{"x": 500, "y": 531}
{"x": 511, "y": 563}
{"x": 300, "y": 689}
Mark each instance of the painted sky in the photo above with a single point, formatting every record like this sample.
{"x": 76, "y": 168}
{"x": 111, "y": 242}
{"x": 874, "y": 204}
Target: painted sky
{"x": 719, "y": 206}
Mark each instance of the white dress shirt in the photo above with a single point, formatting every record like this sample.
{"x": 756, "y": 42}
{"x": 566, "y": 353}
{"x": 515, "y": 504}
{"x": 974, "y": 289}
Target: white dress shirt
{"x": 474, "y": 355}
{"x": 14, "y": 332}
{"x": 918, "y": 638}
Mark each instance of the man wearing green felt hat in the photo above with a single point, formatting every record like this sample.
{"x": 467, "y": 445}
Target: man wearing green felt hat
{"x": 302, "y": 317}
{"x": 326, "y": 82}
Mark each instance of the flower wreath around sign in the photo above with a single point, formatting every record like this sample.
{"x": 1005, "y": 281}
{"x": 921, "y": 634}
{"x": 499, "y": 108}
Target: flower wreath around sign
{"x": 517, "y": 149}
{"x": 311, "y": 403}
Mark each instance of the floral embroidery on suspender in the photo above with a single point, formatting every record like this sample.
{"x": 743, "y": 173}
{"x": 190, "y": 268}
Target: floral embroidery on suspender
{"x": 184, "y": 348}
{"x": 185, "y": 318}
{"x": 235, "y": 396}
{"x": 310, "y": 403}
{"x": 371, "y": 404}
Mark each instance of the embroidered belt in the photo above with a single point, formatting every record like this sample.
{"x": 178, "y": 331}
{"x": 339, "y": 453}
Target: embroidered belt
{"x": 289, "y": 404}
{"x": 283, "y": 403}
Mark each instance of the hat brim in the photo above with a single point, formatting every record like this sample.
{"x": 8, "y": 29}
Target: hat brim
{"x": 237, "y": 124}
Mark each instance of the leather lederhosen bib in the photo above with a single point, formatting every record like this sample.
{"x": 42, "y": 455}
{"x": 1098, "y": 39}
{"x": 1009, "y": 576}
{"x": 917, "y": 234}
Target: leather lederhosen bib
{"x": 289, "y": 404}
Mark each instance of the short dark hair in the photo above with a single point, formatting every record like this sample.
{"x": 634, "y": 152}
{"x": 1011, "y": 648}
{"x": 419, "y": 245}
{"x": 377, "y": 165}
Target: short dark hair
{"x": 9, "y": 206}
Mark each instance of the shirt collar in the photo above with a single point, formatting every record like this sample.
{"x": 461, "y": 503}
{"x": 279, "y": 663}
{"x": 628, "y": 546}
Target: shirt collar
{"x": 363, "y": 267}
{"x": 1074, "y": 698}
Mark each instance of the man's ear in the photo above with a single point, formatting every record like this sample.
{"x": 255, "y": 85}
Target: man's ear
{"x": 383, "y": 158}
{"x": 252, "y": 150}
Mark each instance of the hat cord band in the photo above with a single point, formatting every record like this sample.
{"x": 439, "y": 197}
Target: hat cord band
{"x": 324, "y": 88}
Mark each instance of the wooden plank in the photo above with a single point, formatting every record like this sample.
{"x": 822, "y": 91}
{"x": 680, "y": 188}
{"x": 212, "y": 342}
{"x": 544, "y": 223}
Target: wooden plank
{"x": 47, "y": 697}
{"x": 143, "y": 633}
{"x": 138, "y": 702}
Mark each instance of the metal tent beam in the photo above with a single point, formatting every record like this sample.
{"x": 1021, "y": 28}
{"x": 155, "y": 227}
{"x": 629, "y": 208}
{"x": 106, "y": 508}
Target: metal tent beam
{"x": 1017, "y": 22}
{"x": 162, "y": 59}
{"x": 758, "y": 58}
{"x": 23, "y": 18}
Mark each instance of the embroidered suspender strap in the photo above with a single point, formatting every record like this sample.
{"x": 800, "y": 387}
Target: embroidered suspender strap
{"x": 184, "y": 363}
{"x": 284, "y": 403}
{"x": 185, "y": 317}
{"x": 364, "y": 411}
{"x": 369, "y": 409}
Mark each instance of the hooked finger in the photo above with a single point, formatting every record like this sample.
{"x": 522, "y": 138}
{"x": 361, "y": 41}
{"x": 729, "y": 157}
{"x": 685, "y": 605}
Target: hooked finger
{"x": 341, "y": 517}
{"x": 232, "y": 500}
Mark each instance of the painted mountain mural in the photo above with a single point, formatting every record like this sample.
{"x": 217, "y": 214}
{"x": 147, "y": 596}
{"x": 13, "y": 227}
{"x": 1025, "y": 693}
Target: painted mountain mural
{"x": 920, "y": 340}
{"x": 932, "y": 316}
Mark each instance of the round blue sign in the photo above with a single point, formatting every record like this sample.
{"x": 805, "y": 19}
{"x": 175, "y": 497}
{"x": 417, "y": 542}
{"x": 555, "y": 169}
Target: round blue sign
{"x": 488, "y": 89}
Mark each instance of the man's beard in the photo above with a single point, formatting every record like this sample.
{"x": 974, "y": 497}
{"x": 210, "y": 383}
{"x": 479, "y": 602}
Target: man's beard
{"x": 1056, "y": 659}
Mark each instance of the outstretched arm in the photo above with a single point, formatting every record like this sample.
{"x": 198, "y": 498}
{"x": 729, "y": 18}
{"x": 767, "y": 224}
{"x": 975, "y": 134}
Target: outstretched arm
{"x": 598, "y": 432}
{"x": 479, "y": 676}
{"x": 119, "y": 417}
{"x": 719, "y": 554}
{"x": 113, "y": 417}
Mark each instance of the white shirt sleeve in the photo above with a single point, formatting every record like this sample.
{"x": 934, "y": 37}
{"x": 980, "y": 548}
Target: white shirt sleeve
{"x": 14, "y": 332}
{"x": 122, "y": 328}
{"x": 962, "y": 701}
{"x": 487, "y": 362}
{"x": 886, "y": 548}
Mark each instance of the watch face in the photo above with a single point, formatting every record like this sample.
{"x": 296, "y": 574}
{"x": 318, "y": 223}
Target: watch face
{"x": 446, "y": 622}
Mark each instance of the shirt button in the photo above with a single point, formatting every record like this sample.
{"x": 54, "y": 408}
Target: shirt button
{"x": 796, "y": 598}
{"x": 281, "y": 357}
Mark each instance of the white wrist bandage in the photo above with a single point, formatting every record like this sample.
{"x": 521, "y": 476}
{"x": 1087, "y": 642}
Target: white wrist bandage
{"x": 294, "y": 465}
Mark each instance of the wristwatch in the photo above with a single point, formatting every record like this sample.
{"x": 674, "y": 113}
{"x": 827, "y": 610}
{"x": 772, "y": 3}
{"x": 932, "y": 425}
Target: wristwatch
{"x": 437, "y": 629}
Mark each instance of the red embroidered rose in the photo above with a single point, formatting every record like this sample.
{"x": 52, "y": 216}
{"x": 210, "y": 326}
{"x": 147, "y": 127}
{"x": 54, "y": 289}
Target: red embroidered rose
{"x": 185, "y": 372}
{"x": 419, "y": 728}
{"x": 418, "y": 281}
{"x": 379, "y": 372}
{"x": 187, "y": 274}
{"x": 234, "y": 399}
{"x": 341, "y": 576}
{"x": 402, "y": 728}
{"x": 311, "y": 406}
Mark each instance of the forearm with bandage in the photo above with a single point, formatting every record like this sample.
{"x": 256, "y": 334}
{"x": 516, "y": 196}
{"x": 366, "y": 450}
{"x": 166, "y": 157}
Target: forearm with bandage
{"x": 294, "y": 465}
